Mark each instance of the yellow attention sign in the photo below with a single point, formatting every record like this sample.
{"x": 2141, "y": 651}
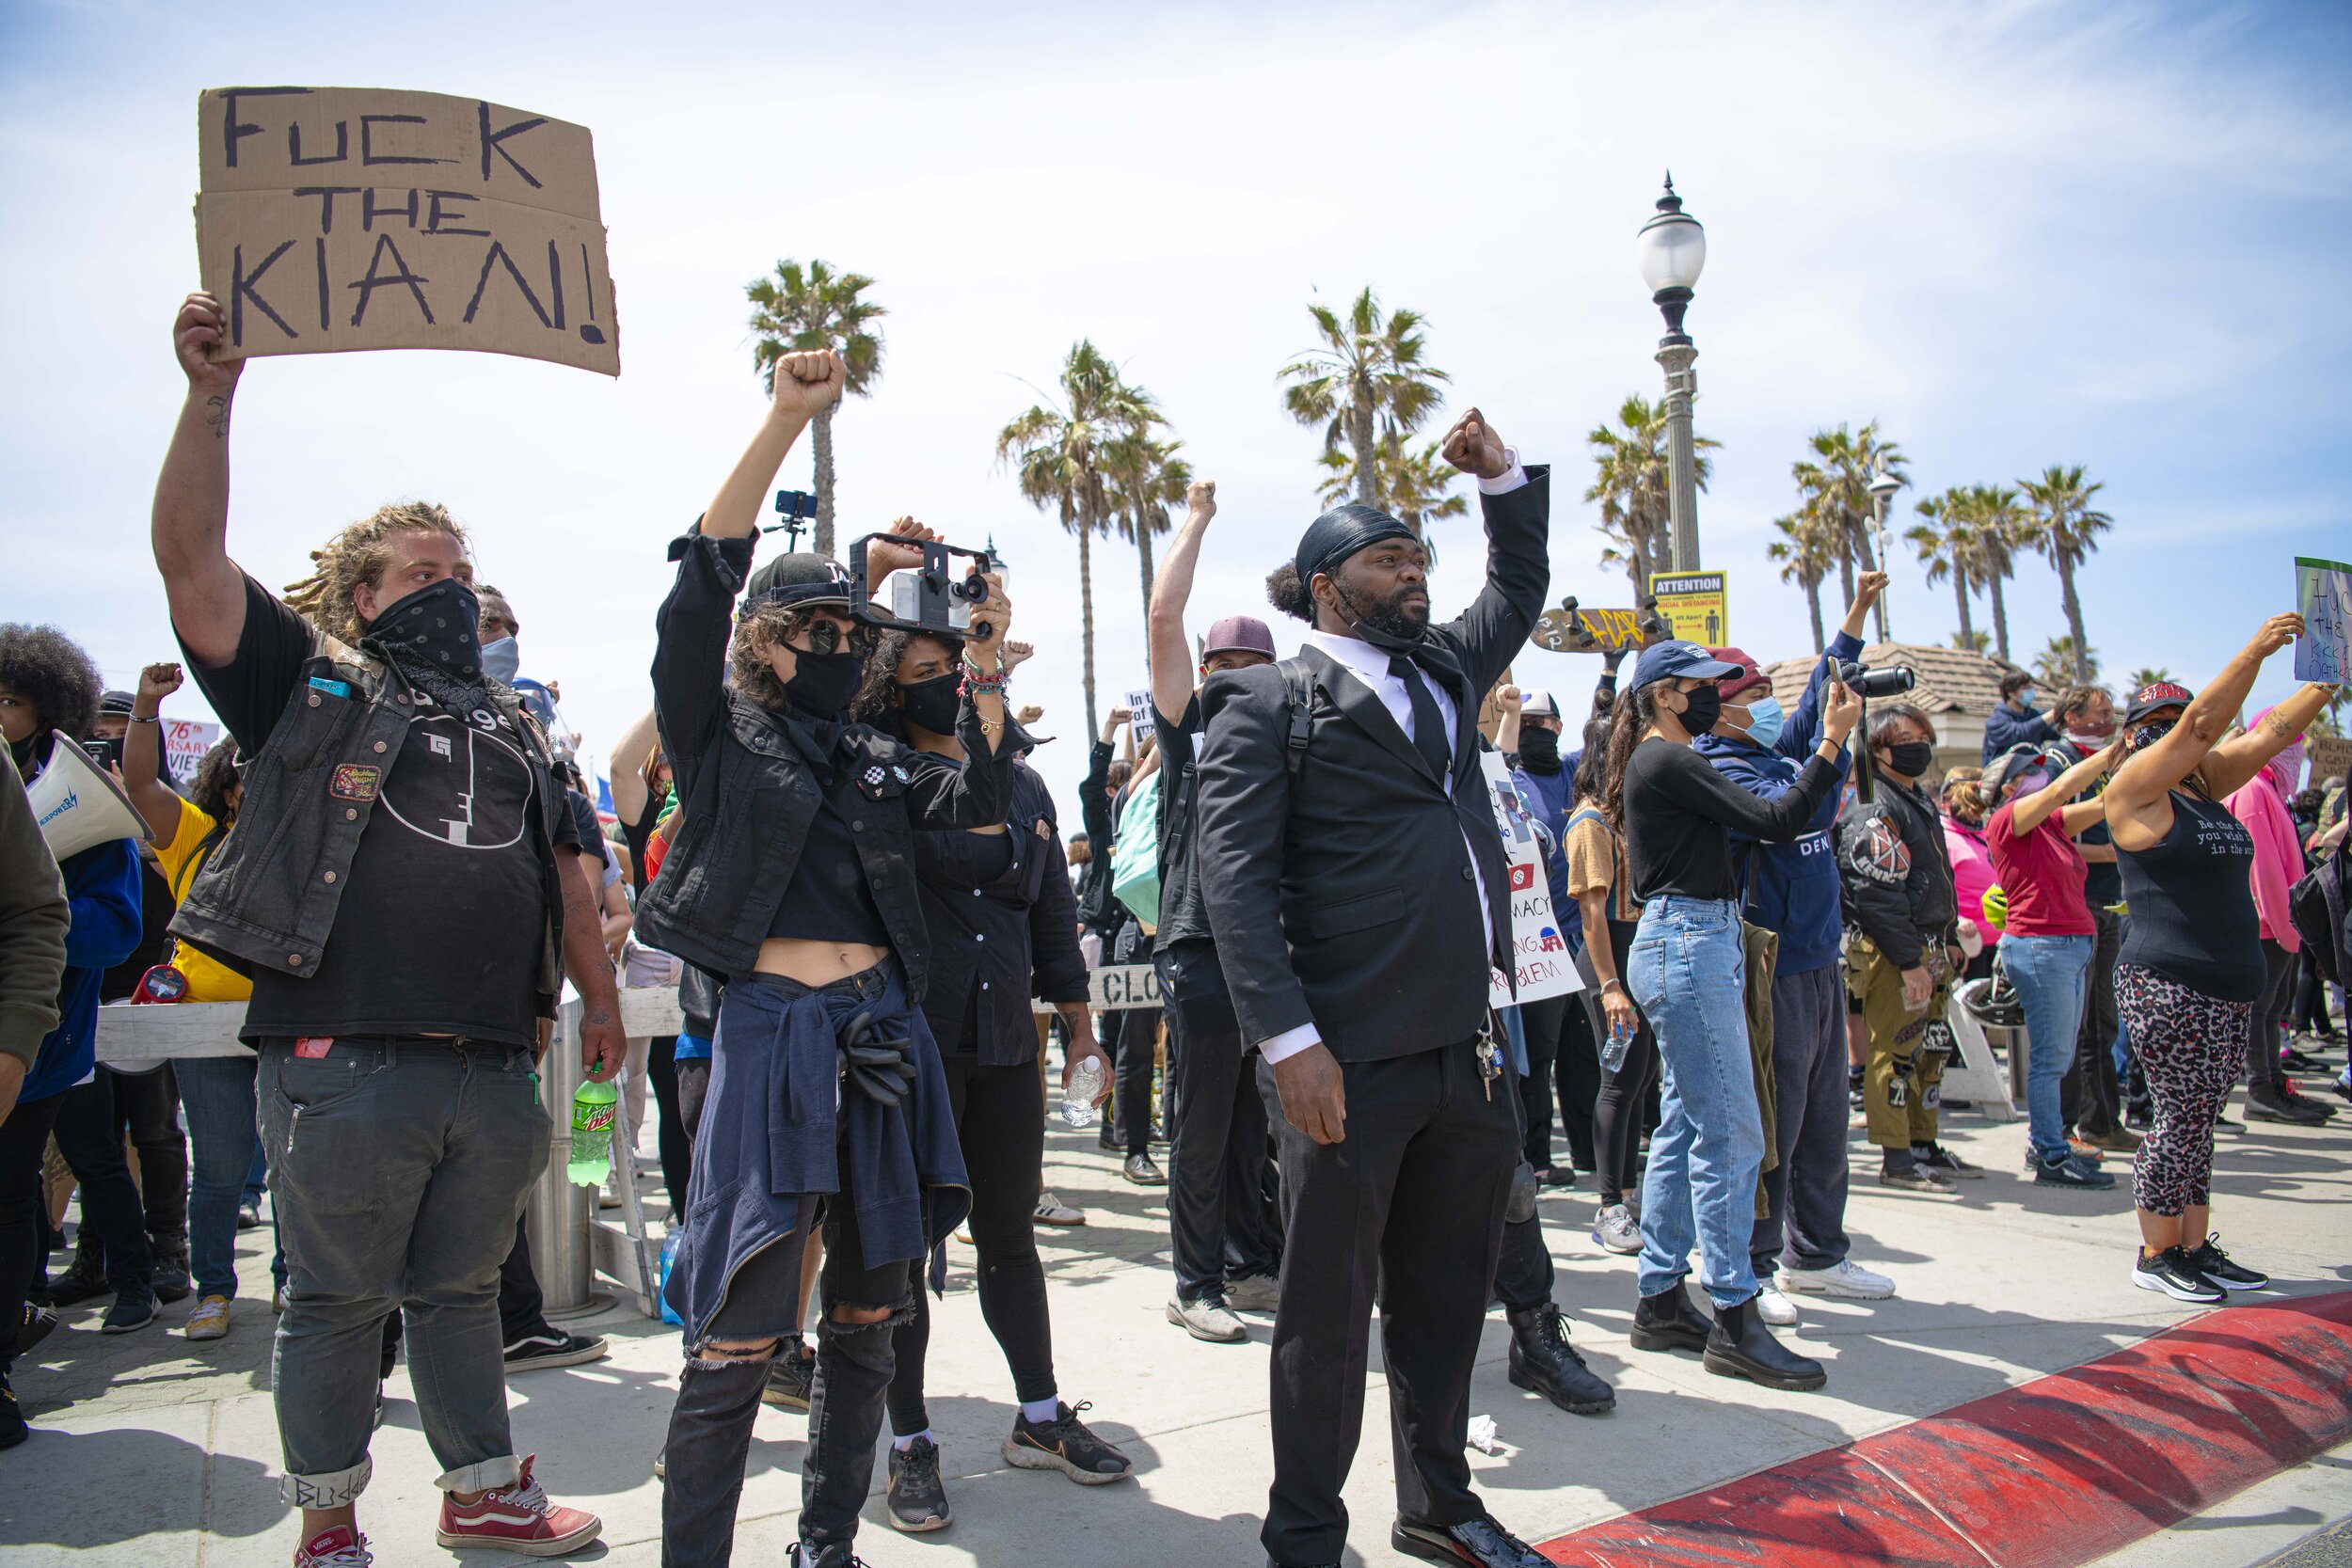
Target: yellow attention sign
{"x": 1696, "y": 605}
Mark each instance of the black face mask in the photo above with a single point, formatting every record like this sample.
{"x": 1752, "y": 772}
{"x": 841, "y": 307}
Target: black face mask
{"x": 1539, "y": 750}
{"x": 1707, "y": 706}
{"x": 822, "y": 684}
{"x": 1911, "y": 758}
{"x": 432, "y": 635}
{"x": 932, "y": 704}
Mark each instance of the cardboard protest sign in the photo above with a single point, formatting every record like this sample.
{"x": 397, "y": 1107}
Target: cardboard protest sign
{"x": 2322, "y": 591}
{"x": 2331, "y": 757}
{"x": 1140, "y": 714}
{"x": 339, "y": 218}
{"x": 1538, "y": 950}
{"x": 185, "y": 741}
{"x": 1603, "y": 630}
{"x": 1696, "y": 604}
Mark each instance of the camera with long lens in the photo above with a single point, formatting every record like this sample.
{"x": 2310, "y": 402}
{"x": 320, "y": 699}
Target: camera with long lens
{"x": 938, "y": 596}
{"x": 1891, "y": 681}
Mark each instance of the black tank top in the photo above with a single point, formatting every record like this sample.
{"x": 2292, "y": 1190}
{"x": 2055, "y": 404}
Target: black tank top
{"x": 2191, "y": 903}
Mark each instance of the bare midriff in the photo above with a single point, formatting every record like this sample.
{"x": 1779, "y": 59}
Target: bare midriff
{"x": 816, "y": 963}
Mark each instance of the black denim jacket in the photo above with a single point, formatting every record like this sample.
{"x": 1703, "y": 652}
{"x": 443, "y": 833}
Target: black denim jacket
{"x": 269, "y": 893}
{"x": 746, "y": 796}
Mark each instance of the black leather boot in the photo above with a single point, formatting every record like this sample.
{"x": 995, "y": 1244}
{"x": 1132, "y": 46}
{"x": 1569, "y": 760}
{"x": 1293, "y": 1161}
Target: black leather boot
{"x": 172, "y": 1280}
{"x": 1543, "y": 1361}
{"x": 85, "y": 1277}
{"x": 1740, "y": 1346}
{"x": 1667, "y": 1320}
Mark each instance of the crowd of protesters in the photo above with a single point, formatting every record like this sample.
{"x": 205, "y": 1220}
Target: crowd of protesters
{"x": 825, "y": 836}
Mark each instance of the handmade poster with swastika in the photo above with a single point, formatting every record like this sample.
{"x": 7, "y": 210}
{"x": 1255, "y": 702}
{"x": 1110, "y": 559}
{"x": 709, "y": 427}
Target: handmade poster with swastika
{"x": 338, "y": 218}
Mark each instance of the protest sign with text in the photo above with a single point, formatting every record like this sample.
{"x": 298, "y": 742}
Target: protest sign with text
{"x": 185, "y": 741}
{"x": 2322, "y": 591}
{"x": 1140, "y": 714}
{"x": 1538, "y": 950}
{"x": 338, "y": 218}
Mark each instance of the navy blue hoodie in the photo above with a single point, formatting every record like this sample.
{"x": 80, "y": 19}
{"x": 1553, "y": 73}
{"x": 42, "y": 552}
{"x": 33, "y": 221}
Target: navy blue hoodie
{"x": 1794, "y": 892}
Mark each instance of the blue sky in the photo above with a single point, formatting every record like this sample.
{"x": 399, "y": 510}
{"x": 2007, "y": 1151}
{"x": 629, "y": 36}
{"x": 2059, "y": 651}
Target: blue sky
{"x": 2017, "y": 234}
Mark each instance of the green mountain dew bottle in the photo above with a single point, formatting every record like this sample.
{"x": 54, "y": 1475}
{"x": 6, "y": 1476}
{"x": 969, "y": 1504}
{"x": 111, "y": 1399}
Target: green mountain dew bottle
{"x": 592, "y": 1133}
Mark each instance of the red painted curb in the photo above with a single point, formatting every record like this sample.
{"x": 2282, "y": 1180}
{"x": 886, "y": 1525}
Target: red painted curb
{"x": 2049, "y": 1475}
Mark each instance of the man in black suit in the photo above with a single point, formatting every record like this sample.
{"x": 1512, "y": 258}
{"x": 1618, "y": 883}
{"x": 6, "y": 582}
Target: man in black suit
{"x": 1375, "y": 855}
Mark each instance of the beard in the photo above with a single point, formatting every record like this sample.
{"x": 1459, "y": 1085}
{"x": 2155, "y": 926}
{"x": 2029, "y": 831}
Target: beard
{"x": 1392, "y": 616}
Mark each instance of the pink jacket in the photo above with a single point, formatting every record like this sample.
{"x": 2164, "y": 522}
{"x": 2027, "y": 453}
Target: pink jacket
{"x": 1972, "y": 872}
{"x": 2278, "y": 857}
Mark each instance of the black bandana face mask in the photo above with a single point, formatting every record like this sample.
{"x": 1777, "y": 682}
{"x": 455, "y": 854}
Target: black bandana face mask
{"x": 1539, "y": 750}
{"x": 432, "y": 635}
{"x": 822, "y": 684}
{"x": 932, "y": 704}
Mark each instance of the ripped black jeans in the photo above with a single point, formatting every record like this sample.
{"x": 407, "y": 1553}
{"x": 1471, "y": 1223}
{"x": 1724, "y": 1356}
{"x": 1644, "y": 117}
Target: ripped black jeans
{"x": 711, "y": 1426}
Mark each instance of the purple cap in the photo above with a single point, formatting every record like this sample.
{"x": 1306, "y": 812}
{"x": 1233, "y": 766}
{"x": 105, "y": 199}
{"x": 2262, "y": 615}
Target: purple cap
{"x": 1239, "y": 634}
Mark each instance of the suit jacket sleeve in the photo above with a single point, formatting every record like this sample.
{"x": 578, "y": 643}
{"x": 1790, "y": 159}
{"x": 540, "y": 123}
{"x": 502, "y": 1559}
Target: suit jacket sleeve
{"x": 1519, "y": 572}
{"x": 1244, "y": 783}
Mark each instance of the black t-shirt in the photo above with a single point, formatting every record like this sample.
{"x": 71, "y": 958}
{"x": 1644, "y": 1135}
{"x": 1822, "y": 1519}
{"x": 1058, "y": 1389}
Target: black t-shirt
{"x": 440, "y": 925}
{"x": 1182, "y": 915}
{"x": 589, "y": 831}
{"x": 1680, "y": 814}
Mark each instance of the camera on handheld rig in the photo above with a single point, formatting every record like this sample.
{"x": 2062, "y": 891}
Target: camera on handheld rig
{"x": 937, "y": 596}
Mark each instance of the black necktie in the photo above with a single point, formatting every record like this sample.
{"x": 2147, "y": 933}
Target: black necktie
{"x": 1429, "y": 737}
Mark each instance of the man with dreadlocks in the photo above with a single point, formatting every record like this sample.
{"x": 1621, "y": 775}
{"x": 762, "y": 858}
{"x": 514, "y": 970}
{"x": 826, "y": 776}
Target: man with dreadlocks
{"x": 397, "y": 890}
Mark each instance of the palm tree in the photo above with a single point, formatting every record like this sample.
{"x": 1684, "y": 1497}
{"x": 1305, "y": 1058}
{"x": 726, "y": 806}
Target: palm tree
{"x": 1062, "y": 458}
{"x": 1947, "y": 543}
{"x": 1146, "y": 478}
{"x": 1835, "y": 481}
{"x": 797, "y": 310}
{"x": 1631, "y": 485}
{"x": 1804, "y": 553}
{"x": 1972, "y": 642}
{"x": 2063, "y": 527}
{"x": 1365, "y": 380}
{"x": 1413, "y": 483}
{"x": 2148, "y": 674}
{"x": 1998, "y": 521}
{"x": 2064, "y": 662}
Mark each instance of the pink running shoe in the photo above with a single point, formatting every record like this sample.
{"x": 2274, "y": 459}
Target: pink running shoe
{"x": 516, "y": 1518}
{"x": 338, "y": 1547}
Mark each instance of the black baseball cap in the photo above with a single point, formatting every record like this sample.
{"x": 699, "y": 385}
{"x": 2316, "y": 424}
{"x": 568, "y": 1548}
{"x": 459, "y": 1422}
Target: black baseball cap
{"x": 2154, "y": 697}
{"x": 796, "y": 580}
{"x": 114, "y": 702}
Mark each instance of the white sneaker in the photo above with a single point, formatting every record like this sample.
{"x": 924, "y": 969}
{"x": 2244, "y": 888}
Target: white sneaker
{"x": 1616, "y": 1230}
{"x": 1253, "y": 1293}
{"x": 1053, "y": 1210}
{"x": 1207, "y": 1318}
{"x": 1776, "y": 1309}
{"x": 1847, "y": 1279}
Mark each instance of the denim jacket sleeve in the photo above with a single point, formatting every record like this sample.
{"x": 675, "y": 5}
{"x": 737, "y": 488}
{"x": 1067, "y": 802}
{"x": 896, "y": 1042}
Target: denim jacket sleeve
{"x": 691, "y": 630}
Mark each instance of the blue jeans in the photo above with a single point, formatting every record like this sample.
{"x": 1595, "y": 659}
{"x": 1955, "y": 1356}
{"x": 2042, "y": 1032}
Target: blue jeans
{"x": 1686, "y": 971}
{"x": 2048, "y": 972}
{"x": 224, "y": 1137}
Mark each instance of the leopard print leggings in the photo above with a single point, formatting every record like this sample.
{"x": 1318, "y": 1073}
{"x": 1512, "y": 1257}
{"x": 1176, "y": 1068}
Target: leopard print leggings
{"x": 2190, "y": 1046}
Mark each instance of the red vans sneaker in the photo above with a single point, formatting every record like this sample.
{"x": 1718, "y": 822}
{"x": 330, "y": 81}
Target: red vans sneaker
{"x": 516, "y": 1518}
{"x": 337, "y": 1547}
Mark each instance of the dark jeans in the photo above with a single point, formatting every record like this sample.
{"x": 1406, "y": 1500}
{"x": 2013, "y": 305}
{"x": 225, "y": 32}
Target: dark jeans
{"x": 1806, "y": 1191}
{"x": 1000, "y": 1121}
{"x": 675, "y": 1144}
{"x": 522, "y": 1306}
{"x": 1560, "y": 1052}
{"x": 398, "y": 1168}
{"x": 1406, "y": 1215}
{"x": 1217, "y": 1161}
{"x": 2264, "y": 1078}
{"x": 1134, "y": 1044}
{"x": 1622, "y": 1108}
{"x": 147, "y": 1106}
{"x": 2089, "y": 1100}
{"x": 89, "y": 1135}
{"x": 718, "y": 1398}
{"x": 24, "y": 1225}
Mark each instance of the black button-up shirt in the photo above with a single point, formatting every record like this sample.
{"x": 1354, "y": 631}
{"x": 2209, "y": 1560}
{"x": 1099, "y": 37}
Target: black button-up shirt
{"x": 1002, "y": 936}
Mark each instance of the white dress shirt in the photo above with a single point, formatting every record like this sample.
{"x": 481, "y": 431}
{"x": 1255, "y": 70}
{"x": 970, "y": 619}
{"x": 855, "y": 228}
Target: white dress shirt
{"x": 1369, "y": 665}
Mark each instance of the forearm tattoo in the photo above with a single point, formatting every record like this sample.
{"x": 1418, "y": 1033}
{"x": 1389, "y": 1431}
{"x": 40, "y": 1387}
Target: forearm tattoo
{"x": 216, "y": 416}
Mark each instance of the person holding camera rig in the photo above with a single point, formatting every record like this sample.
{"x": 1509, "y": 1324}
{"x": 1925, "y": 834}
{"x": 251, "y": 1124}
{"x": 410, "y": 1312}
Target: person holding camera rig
{"x": 793, "y": 877}
{"x": 1002, "y": 927}
{"x": 1356, "y": 885}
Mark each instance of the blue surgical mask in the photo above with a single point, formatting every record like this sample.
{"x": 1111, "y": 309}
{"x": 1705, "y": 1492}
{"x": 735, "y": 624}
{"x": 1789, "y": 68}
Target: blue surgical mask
{"x": 2025, "y": 698}
{"x": 1765, "y": 721}
{"x": 501, "y": 659}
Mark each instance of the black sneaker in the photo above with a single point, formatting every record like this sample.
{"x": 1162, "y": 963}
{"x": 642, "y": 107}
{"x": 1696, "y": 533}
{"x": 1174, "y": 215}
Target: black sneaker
{"x": 173, "y": 1282}
{"x": 2209, "y": 1260}
{"x": 1064, "y": 1444}
{"x": 2293, "y": 1112}
{"x": 1143, "y": 1171}
{"x": 918, "y": 1499}
{"x": 12, "y": 1428}
{"x": 1935, "y": 1157}
{"x": 1853, "y": 1089}
{"x": 2170, "y": 1271}
{"x": 38, "y": 1323}
{"x": 2295, "y": 1061}
{"x": 84, "y": 1279}
{"x": 128, "y": 1314}
{"x": 791, "y": 1376}
{"x": 249, "y": 1216}
{"x": 2070, "y": 1170}
{"x": 553, "y": 1349}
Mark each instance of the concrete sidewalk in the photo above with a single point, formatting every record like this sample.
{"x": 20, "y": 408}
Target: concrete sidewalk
{"x": 148, "y": 1451}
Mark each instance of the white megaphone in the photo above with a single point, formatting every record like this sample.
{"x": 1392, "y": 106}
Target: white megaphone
{"x": 76, "y": 805}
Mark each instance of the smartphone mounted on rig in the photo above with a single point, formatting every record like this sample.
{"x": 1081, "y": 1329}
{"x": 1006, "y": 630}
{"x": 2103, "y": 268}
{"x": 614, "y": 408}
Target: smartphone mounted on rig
{"x": 938, "y": 596}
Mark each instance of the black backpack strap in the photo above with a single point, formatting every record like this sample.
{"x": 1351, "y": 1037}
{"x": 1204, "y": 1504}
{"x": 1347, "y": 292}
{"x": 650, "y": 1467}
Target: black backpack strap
{"x": 1301, "y": 681}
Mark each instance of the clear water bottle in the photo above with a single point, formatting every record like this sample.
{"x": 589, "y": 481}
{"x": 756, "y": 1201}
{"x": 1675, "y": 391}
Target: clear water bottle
{"x": 593, "y": 1113}
{"x": 1077, "y": 1100}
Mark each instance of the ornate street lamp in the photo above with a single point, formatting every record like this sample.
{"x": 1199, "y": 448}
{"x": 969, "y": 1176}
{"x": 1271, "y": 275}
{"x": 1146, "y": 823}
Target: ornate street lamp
{"x": 1672, "y": 250}
{"x": 1882, "y": 488}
